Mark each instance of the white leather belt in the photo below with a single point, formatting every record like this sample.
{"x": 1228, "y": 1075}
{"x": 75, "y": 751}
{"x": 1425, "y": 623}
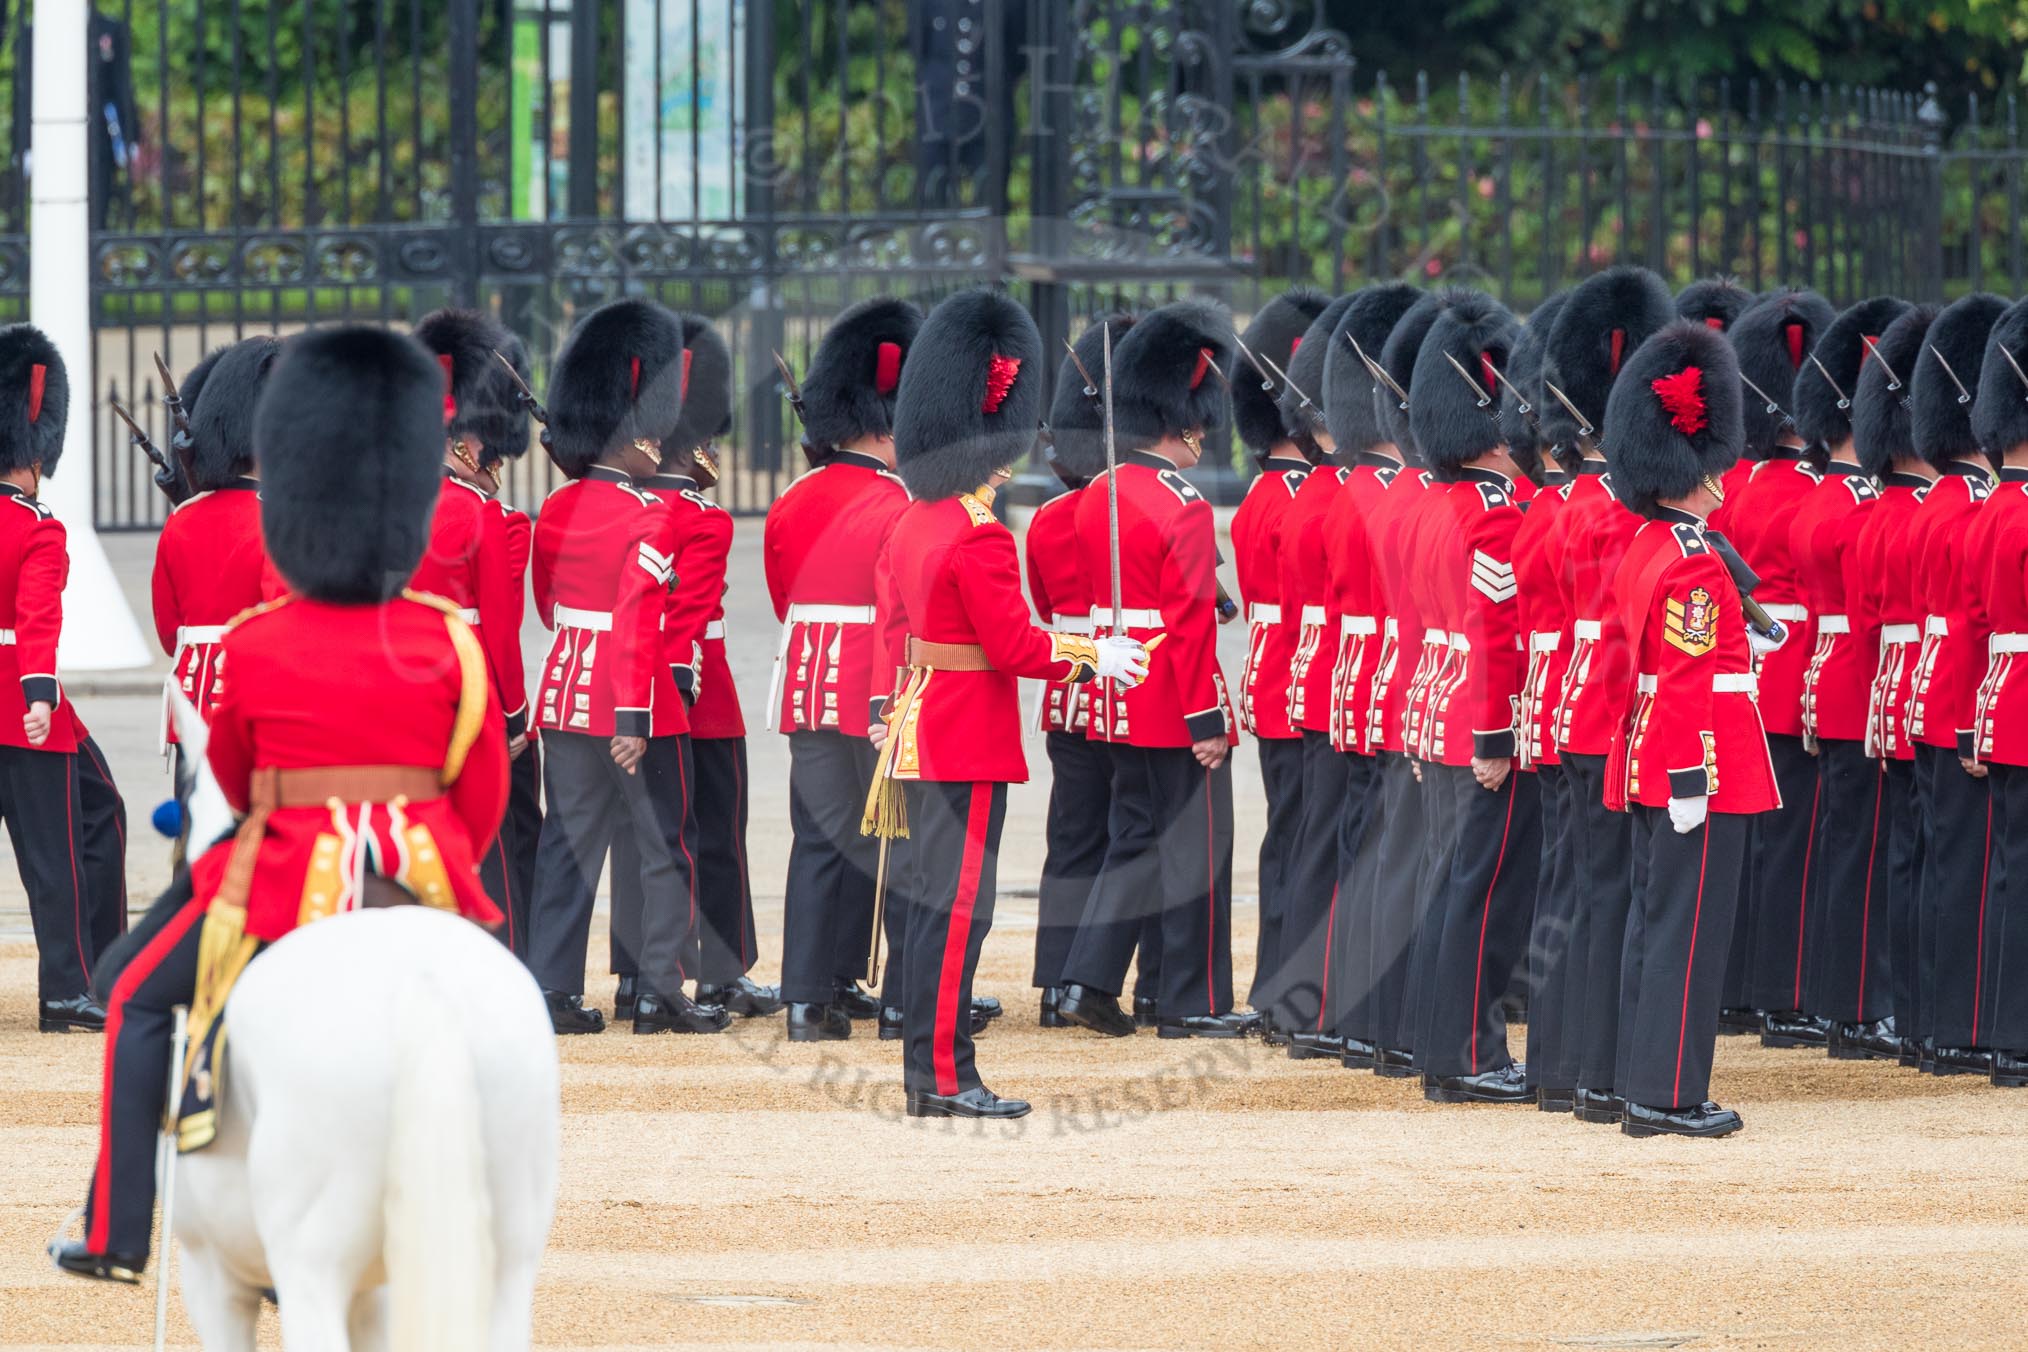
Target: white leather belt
{"x": 1787, "y": 614}
{"x": 1545, "y": 640}
{"x": 1834, "y": 624}
{"x": 1459, "y": 643}
{"x": 1436, "y": 636}
{"x": 1071, "y": 624}
{"x": 1131, "y": 618}
{"x": 570, "y": 617}
{"x": 1588, "y": 629}
{"x": 187, "y": 634}
{"x": 1894, "y": 635}
{"x": 1392, "y": 628}
{"x": 809, "y": 613}
{"x": 1996, "y": 645}
{"x": 1937, "y": 626}
{"x": 1312, "y": 616}
{"x": 715, "y": 629}
{"x": 1262, "y": 613}
{"x": 1725, "y": 683}
{"x": 1349, "y": 625}
{"x": 6, "y": 638}
{"x": 471, "y": 616}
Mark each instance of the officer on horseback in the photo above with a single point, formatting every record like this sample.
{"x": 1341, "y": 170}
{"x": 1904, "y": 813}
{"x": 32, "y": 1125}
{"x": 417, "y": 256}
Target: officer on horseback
{"x": 338, "y": 812}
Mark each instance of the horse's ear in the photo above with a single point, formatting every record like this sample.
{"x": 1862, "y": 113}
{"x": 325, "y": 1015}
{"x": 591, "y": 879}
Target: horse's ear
{"x": 210, "y": 815}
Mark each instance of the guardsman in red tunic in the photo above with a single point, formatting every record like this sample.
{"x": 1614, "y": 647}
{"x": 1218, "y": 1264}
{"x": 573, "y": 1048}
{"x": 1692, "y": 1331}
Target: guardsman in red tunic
{"x": 953, "y": 620}
{"x": 1888, "y": 617}
{"x": 1303, "y": 990}
{"x": 1170, "y": 845}
{"x": 1993, "y": 744}
{"x": 1716, "y": 303}
{"x": 1772, "y": 341}
{"x": 616, "y": 757}
{"x": 1080, "y": 766}
{"x": 1357, "y": 605}
{"x": 1484, "y": 901}
{"x": 336, "y": 810}
{"x": 1690, "y": 763}
{"x": 56, "y": 795}
{"x": 471, "y": 560}
{"x": 1837, "y": 976}
{"x": 1955, "y": 808}
{"x": 1607, "y": 317}
{"x": 821, "y": 546}
{"x": 1285, "y": 462}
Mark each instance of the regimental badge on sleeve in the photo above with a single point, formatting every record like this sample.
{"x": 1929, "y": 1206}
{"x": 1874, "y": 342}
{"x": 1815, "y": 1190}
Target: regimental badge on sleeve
{"x": 1691, "y": 624}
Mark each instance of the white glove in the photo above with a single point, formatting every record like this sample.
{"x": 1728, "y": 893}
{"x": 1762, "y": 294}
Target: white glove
{"x": 1687, "y": 814}
{"x": 1122, "y": 659}
{"x": 1763, "y": 644}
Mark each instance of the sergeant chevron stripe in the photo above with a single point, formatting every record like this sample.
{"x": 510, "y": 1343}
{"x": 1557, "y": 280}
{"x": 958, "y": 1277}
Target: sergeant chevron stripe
{"x": 1494, "y": 579}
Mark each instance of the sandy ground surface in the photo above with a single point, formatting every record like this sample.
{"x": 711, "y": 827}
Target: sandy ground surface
{"x": 738, "y": 1191}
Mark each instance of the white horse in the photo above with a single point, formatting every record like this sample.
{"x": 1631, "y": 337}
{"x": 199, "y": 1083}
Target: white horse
{"x": 387, "y": 1138}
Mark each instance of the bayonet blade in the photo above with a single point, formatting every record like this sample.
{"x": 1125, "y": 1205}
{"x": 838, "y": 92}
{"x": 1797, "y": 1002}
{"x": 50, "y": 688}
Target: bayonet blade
{"x": 1267, "y": 381}
{"x": 1844, "y": 401}
{"x": 2019, "y": 374}
{"x": 1893, "y": 380}
{"x": 1112, "y": 491}
{"x": 1765, "y": 398}
{"x": 1478, "y": 391}
{"x": 1964, "y": 395}
{"x": 1379, "y": 372}
{"x": 1584, "y": 427}
{"x": 789, "y": 383}
{"x": 1091, "y": 389}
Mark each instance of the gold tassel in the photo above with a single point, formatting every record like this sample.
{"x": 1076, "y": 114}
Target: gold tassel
{"x": 886, "y": 814}
{"x": 223, "y": 951}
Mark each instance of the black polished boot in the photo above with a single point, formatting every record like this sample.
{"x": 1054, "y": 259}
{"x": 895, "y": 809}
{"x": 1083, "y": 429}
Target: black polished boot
{"x": 1094, "y": 1009}
{"x": 1873, "y": 1041}
{"x": 1705, "y": 1119}
{"x": 1147, "y": 1013}
{"x": 72, "y": 1256}
{"x": 811, "y": 1022}
{"x": 978, "y": 1102}
{"x": 1734, "y": 1022}
{"x": 677, "y": 1013}
{"x": 567, "y": 1014}
{"x": 987, "y": 1006}
{"x": 742, "y": 997}
{"x": 1235, "y": 1024}
{"x": 1394, "y": 1063}
{"x": 1052, "y": 996}
{"x": 1601, "y": 1106}
{"x": 1961, "y": 1061}
{"x": 79, "y": 1014}
{"x": 1357, "y": 1055}
{"x": 1316, "y": 1047}
{"x": 2010, "y": 1070}
{"x": 1787, "y": 1028}
{"x": 1509, "y": 1084}
{"x": 1551, "y": 1099}
{"x": 854, "y": 1000}
{"x": 624, "y": 995}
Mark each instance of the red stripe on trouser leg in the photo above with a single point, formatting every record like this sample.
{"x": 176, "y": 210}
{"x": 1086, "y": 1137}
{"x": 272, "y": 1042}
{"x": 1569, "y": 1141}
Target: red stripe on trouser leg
{"x": 1690, "y": 966}
{"x": 1210, "y": 902}
{"x": 1485, "y": 917}
{"x": 139, "y": 969}
{"x": 958, "y": 939}
{"x": 1979, "y": 960}
{"x": 1803, "y": 898}
{"x": 1330, "y": 925}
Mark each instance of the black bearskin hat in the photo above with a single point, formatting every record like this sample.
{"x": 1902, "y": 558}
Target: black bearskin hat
{"x": 1349, "y": 405}
{"x": 1397, "y": 358}
{"x": 1452, "y": 423}
{"x": 849, "y": 390}
{"x": 1606, "y": 317}
{"x": 1277, "y": 328}
{"x": 618, "y": 378}
{"x": 34, "y": 399}
{"x": 1714, "y": 302}
{"x": 1077, "y": 450}
{"x": 1524, "y": 373}
{"x": 1674, "y": 415}
{"x": 1773, "y": 340}
{"x": 1305, "y": 371}
{"x": 1822, "y": 408}
{"x": 222, "y": 445}
{"x": 1162, "y": 379}
{"x": 351, "y": 422}
{"x": 190, "y": 387}
{"x": 1940, "y": 411}
{"x": 2000, "y": 412}
{"x": 706, "y": 389}
{"x": 481, "y": 403}
{"x": 970, "y": 399}
{"x": 1883, "y": 430}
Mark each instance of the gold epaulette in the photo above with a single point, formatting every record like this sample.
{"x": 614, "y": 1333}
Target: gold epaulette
{"x": 261, "y": 609}
{"x": 472, "y": 681}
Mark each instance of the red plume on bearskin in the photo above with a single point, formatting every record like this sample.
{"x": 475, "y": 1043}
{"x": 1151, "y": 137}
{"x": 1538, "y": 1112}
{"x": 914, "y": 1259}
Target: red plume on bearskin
{"x": 1770, "y": 338}
{"x": 481, "y": 404}
{"x": 1842, "y": 350}
{"x": 1682, "y": 396}
{"x": 33, "y": 413}
{"x": 707, "y": 389}
{"x": 1274, "y": 330}
{"x": 886, "y": 367}
{"x": 1714, "y": 302}
{"x": 1451, "y": 426}
{"x": 970, "y": 400}
{"x": 618, "y": 378}
{"x": 850, "y": 386}
{"x": 1607, "y": 316}
{"x": 1000, "y": 374}
{"x": 449, "y": 366}
{"x": 1673, "y": 417}
{"x": 1153, "y": 368}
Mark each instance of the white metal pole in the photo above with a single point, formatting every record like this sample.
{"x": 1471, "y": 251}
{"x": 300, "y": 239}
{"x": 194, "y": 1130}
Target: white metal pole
{"x": 99, "y": 632}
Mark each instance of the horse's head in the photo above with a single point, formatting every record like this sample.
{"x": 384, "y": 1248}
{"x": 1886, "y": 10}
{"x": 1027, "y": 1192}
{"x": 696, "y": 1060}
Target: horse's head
{"x": 210, "y": 815}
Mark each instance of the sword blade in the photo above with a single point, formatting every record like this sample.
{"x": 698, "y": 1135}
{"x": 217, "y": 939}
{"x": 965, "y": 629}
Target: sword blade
{"x": 1113, "y": 492}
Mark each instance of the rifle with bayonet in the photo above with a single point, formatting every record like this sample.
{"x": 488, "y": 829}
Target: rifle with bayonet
{"x": 528, "y": 401}
{"x": 172, "y": 471}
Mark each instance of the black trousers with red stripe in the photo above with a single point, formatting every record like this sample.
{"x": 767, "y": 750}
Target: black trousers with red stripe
{"x": 1281, "y": 774}
{"x": 1603, "y": 859}
{"x": 1080, "y": 800}
{"x": 141, "y": 979}
{"x": 1348, "y": 978}
{"x": 1772, "y": 933}
{"x": 1849, "y": 975}
{"x": 1312, "y": 900}
{"x": 1391, "y": 934}
{"x": 1168, "y": 857}
{"x": 507, "y": 869}
{"x": 954, "y": 835}
{"x": 593, "y": 806}
{"x": 1955, "y": 878}
{"x": 1439, "y": 837}
{"x": 726, "y": 944}
{"x": 1679, "y": 933}
{"x": 1555, "y": 963}
{"x": 827, "y": 901}
{"x": 1904, "y": 892}
{"x": 2001, "y": 1004}
{"x": 68, "y": 827}
{"x": 1487, "y": 904}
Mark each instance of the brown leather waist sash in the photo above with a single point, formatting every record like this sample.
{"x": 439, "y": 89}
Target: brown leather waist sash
{"x": 275, "y": 788}
{"x": 947, "y": 656}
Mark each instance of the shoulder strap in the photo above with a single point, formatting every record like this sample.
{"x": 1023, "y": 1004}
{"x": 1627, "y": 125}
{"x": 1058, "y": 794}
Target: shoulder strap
{"x": 472, "y": 681}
